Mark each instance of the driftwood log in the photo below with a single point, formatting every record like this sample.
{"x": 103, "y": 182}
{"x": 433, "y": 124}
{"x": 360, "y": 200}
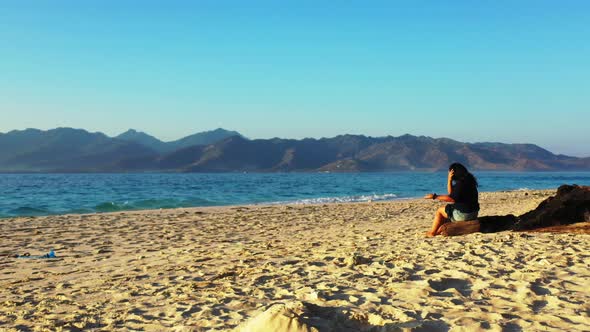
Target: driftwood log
{"x": 570, "y": 205}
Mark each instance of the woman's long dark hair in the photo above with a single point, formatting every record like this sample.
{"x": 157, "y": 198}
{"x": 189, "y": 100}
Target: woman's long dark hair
{"x": 462, "y": 174}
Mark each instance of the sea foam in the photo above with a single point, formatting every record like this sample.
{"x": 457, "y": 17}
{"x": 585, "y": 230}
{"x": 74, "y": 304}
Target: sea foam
{"x": 341, "y": 199}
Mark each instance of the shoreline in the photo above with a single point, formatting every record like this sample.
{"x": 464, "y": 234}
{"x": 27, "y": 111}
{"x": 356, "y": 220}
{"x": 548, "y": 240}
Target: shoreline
{"x": 264, "y": 204}
{"x": 217, "y": 268}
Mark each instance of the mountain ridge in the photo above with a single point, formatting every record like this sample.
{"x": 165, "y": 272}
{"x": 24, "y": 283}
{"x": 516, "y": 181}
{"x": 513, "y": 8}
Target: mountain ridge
{"x": 77, "y": 150}
{"x": 201, "y": 138}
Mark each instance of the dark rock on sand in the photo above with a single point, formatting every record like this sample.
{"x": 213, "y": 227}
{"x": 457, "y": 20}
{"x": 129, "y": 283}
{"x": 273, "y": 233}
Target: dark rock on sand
{"x": 570, "y": 205}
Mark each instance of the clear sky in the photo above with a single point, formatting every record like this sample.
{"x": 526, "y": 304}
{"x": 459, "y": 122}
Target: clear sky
{"x": 504, "y": 71}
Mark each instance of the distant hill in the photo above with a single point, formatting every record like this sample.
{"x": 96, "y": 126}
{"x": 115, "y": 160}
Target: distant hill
{"x": 142, "y": 138}
{"x": 76, "y": 150}
{"x": 350, "y": 153}
{"x": 65, "y": 150}
{"x": 203, "y": 138}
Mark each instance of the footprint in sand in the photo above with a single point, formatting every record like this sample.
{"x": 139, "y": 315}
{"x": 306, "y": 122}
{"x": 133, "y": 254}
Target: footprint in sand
{"x": 539, "y": 290}
{"x": 538, "y": 306}
{"x": 462, "y": 286}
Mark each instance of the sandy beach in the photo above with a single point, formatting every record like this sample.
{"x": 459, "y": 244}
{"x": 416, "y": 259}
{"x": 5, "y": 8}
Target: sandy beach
{"x": 361, "y": 266}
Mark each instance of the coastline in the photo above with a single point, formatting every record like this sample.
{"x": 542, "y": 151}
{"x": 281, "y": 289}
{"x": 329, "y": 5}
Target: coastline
{"x": 214, "y": 268}
{"x": 300, "y": 202}
{"x": 55, "y": 194}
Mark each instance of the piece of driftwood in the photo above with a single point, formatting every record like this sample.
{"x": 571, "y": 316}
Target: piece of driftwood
{"x": 570, "y": 205}
{"x": 459, "y": 228}
{"x": 488, "y": 224}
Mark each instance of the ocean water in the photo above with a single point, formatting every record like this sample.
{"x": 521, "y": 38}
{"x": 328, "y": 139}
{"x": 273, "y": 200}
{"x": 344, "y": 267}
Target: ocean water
{"x": 46, "y": 194}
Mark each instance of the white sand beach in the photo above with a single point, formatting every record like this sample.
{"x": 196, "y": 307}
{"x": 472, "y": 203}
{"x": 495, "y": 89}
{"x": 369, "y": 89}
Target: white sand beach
{"x": 362, "y": 266}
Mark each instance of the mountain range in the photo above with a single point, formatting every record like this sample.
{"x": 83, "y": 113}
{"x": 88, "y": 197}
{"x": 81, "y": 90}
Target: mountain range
{"x": 220, "y": 150}
{"x": 204, "y": 138}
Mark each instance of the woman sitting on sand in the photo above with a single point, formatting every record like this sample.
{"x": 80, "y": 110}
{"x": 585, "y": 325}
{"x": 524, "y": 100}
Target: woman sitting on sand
{"x": 462, "y": 187}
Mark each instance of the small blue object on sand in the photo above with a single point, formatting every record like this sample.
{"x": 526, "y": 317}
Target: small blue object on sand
{"x": 50, "y": 254}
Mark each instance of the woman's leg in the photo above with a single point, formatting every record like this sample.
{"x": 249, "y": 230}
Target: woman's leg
{"x": 440, "y": 217}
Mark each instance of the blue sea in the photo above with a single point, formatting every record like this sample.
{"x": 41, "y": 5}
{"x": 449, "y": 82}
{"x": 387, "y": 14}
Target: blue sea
{"x": 47, "y": 194}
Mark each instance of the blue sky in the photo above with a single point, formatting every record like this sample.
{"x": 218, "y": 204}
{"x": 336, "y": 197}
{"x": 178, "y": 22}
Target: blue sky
{"x": 507, "y": 71}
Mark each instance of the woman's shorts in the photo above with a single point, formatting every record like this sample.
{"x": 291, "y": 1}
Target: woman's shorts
{"x": 456, "y": 215}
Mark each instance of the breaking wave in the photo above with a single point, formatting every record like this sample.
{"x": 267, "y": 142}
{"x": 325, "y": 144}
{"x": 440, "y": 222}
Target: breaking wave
{"x": 342, "y": 199}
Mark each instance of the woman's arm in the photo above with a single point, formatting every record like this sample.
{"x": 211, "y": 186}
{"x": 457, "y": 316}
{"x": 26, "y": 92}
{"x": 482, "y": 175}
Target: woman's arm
{"x": 444, "y": 198}
{"x": 450, "y": 181}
